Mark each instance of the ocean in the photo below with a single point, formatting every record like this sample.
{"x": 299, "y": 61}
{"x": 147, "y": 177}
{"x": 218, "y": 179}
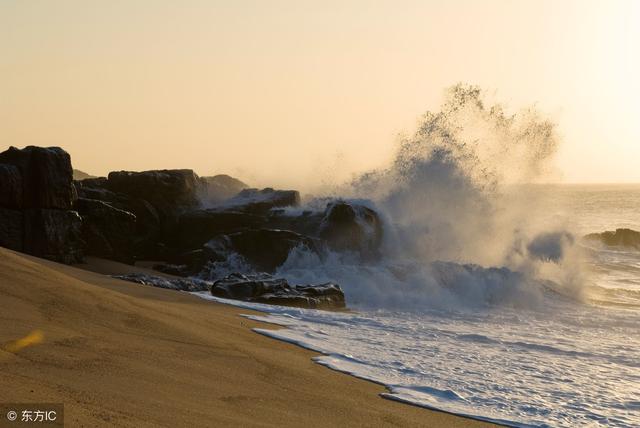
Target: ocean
{"x": 536, "y": 341}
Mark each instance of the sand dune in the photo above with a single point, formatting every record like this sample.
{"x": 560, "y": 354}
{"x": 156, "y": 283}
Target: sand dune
{"x": 121, "y": 354}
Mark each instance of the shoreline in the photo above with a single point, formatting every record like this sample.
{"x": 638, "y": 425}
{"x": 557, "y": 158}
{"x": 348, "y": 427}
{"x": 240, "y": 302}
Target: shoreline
{"x": 123, "y": 354}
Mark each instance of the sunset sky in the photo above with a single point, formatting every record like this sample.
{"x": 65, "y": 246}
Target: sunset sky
{"x": 289, "y": 93}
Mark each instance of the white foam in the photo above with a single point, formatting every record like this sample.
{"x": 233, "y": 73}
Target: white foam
{"x": 566, "y": 365}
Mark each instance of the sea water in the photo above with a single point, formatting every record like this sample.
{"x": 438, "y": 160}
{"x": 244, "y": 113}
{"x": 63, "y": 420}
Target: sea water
{"x": 558, "y": 362}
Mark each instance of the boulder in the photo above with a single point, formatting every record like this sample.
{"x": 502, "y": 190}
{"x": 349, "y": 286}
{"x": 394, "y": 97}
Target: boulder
{"x": 264, "y": 288}
{"x": 11, "y": 229}
{"x": 620, "y": 238}
{"x": 179, "y": 284}
{"x": 107, "y": 231}
{"x": 221, "y": 187}
{"x": 351, "y": 227}
{"x": 46, "y": 176}
{"x": 195, "y": 228}
{"x": 261, "y": 201}
{"x": 169, "y": 191}
{"x": 53, "y": 234}
{"x": 10, "y": 187}
{"x": 264, "y": 249}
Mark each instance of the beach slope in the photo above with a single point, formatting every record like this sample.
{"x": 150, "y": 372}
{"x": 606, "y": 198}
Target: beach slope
{"x": 122, "y": 354}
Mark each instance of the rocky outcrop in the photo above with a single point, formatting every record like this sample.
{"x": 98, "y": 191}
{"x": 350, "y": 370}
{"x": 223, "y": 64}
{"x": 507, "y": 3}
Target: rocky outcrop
{"x": 54, "y": 235}
{"x": 167, "y": 190}
{"x": 45, "y": 175}
{"x": 261, "y": 201}
{"x": 107, "y": 231}
{"x": 221, "y": 187}
{"x": 263, "y": 288}
{"x": 10, "y": 187}
{"x": 619, "y": 238}
{"x": 179, "y": 284}
{"x": 11, "y": 229}
{"x": 194, "y": 228}
{"x": 36, "y": 196}
{"x": 264, "y": 249}
{"x": 351, "y": 227}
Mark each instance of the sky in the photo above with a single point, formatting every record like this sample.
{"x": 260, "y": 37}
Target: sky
{"x": 291, "y": 93}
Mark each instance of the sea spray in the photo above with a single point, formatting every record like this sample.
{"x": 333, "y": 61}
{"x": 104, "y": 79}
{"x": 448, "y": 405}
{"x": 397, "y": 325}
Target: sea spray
{"x": 453, "y": 193}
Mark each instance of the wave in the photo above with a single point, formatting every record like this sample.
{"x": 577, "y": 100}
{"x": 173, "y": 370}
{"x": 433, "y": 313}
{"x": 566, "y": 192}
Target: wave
{"x": 457, "y": 227}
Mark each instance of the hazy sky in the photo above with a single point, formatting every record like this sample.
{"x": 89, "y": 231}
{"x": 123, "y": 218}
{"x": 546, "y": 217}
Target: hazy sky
{"x": 293, "y": 92}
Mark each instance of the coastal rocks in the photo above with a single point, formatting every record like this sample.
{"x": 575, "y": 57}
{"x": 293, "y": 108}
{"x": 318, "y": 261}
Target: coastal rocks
{"x": 179, "y": 284}
{"x": 194, "y": 228}
{"x": 45, "y": 176}
{"x": 351, "y": 227}
{"x": 10, "y": 187}
{"x": 167, "y": 190}
{"x": 36, "y": 196}
{"x": 107, "y": 231}
{"x": 264, "y": 288}
{"x": 264, "y": 249}
{"x": 54, "y": 235}
{"x": 620, "y": 238}
{"x": 261, "y": 201}
{"x": 221, "y": 187}
{"x": 11, "y": 229}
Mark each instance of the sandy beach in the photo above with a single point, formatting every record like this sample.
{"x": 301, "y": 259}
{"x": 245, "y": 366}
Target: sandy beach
{"x": 121, "y": 354}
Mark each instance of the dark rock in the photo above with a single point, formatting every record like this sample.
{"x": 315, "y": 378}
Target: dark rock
{"x": 261, "y": 201}
{"x": 264, "y": 288}
{"x": 46, "y": 176}
{"x": 620, "y": 238}
{"x": 167, "y": 190}
{"x": 180, "y": 284}
{"x": 10, "y": 187}
{"x": 221, "y": 187}
{"x": 351, "y": 227}
{"x": 108, "y": 232}
{"x": 265, "y": 249}
{"x": 95, "y": 188}
{"x": 54, "y": 234}
{"x": 194, "y": 228}
{"x": 11, "y": 229}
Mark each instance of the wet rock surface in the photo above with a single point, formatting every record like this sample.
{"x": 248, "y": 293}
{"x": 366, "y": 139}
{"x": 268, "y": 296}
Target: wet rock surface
{"x": 264, "y": 249}
{"x": 257, "y": 288}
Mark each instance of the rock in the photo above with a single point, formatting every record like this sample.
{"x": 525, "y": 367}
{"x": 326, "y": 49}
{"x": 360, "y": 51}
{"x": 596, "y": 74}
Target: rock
{"x": 11, "y": 229}
{"x": 265, "y": 249}
{"x": 221, "y": 187}
{"x": 107, "y": 231}
{"x": 54, "y": 234}
{"x": 10, "y": 187}
{"x": 46, "y": 176}
{"x": 169, "y": 191}
{"x": 195, "y": 228}
{"x": 264, "y": 288}
{"x": 261, "y": 201}
{"x": 351, "y": 227}
{"x": 620, "y": 238}
{"x": 180, "y": 284}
